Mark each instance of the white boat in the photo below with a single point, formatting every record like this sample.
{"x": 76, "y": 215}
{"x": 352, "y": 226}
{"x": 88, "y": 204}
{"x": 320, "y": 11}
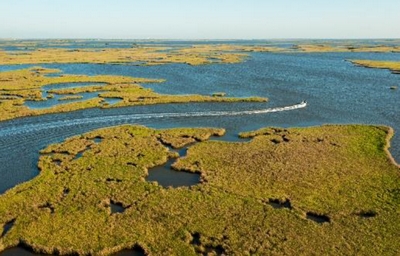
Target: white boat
{"x": 303, "y": 103}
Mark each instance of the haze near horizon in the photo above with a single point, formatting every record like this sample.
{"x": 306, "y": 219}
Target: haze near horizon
{"x": 178, "y": 19}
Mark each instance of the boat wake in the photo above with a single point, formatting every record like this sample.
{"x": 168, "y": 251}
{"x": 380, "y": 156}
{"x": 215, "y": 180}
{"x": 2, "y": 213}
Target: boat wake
{"x": 29, "y": 128}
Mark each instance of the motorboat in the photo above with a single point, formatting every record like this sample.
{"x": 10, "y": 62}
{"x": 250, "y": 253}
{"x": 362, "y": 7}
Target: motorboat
{"x": 303, "y": 103}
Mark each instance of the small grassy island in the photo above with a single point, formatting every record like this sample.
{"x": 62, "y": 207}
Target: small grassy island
{"x": 326, "y": 190}
{"x": 19, "y": 86}
{"x": 393, "y": 66}
{"x": 345, "y": 48}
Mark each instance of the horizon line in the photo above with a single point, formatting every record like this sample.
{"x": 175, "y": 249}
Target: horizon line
{"x": 197, "y": 39}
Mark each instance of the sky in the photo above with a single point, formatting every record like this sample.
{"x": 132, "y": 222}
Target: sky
{"x": 199, "y": 19}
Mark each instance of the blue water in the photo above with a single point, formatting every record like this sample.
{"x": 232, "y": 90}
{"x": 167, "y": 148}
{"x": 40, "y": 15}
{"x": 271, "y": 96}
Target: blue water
{"x": 57, "y": 98}
{"x": 336, "y": 90}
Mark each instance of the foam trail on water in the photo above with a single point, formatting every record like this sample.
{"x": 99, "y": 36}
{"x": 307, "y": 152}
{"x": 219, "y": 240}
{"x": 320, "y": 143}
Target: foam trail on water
{"x": 28, "y": 128}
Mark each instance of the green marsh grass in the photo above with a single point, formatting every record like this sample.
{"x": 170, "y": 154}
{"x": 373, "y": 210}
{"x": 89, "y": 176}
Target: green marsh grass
{"x": 341, "y": 173}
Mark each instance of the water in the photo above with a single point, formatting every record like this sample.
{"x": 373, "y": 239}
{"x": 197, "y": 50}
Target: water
{"x": 56, "y": 99}
{"x": 165, "y": 176}
{"x": 7, "y": 227}
{"x": 116, "y": 207}
{"x": 320, "y": 219}
{"x": 28, "y": 128}
{"x": 20, "y": 251}
{"x": 336, "y": 91}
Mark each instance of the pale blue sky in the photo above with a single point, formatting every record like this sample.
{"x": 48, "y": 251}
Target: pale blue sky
{"x": 201, "y": 19}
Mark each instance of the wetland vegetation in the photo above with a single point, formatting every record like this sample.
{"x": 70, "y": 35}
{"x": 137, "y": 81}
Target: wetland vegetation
{"x": 393, "y": 66}
{"x": 136, "y": 55}
{"x": 346, "y": 48}
{"x": 324, "y": 190}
